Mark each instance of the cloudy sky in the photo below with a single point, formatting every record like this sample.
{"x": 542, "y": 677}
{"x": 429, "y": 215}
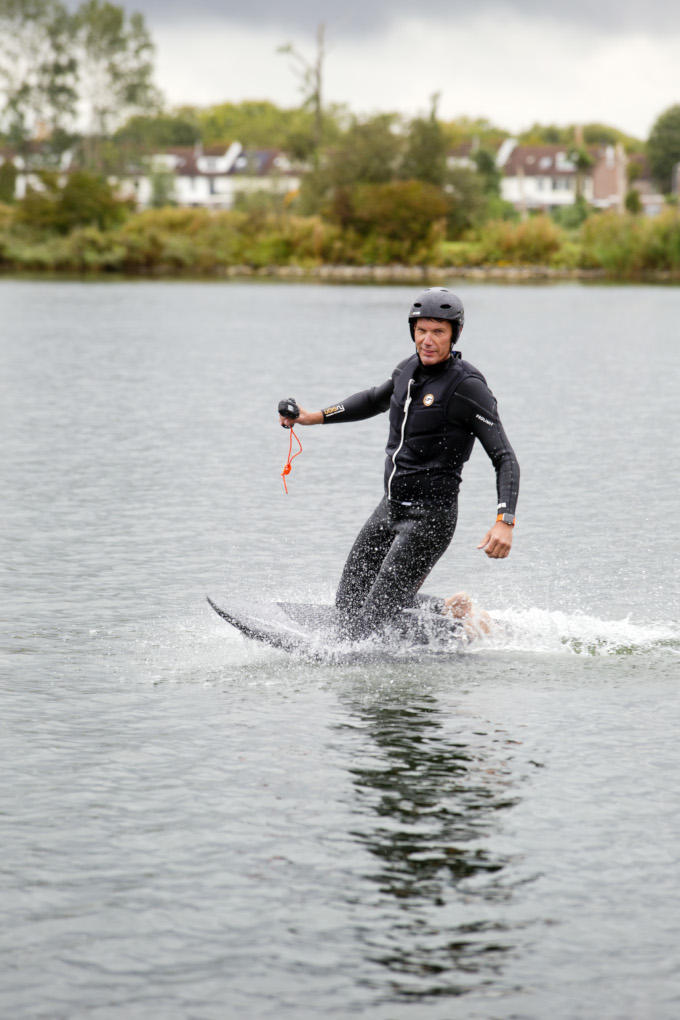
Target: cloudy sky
{"x": 513, "y": 61}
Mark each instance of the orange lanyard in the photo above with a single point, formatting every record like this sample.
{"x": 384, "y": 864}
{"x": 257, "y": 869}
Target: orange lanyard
{"x": 291, "y": 457}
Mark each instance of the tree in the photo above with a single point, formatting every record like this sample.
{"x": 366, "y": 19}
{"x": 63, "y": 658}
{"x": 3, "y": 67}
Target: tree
{"x": 368, "y": 153}
{"x": 425, "y": 157}
{"x": 8, "y": 180}
{"x": 478, "y": 130}
{"x": 663, "y": 149}
{"x": 596, "y": 134}
{"x": 485, "y": 161}
{"x": 162, "y": 188}
{"x": 261, "y": 124}
{"x": 583, "y": 161}
{"x": 37, "y": 69}
{"x": 395, "y": 221}
{"x": 633, "y": 201}
{"x": 467, "y": 200}
{"x": 310, "y": 73}
{"x": 114, "y": 56}
{"x": 83, "y": 200}
{"x": 546, "y": 134}
{"x": 145, "y": 132}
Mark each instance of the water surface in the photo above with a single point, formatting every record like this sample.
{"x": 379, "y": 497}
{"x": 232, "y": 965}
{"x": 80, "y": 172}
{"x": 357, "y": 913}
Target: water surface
{"x": 196, "y": 826}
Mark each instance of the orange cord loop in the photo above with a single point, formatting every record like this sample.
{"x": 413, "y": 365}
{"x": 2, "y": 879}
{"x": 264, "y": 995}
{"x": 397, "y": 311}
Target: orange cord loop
{"x": 287, "y": 467}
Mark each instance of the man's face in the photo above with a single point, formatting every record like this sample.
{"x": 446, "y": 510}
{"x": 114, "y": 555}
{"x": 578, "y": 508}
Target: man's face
{"x": 433, "y": 340}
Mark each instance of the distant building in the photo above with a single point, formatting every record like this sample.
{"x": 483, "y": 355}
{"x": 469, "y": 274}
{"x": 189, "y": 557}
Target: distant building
{"x": 29, "y": 166}
{"x": 463, "y": 155}
{"x": 212, "y": 178}
{"x": 194, "y": 176}
{"x": 540, "y": 177}
{"x": 544, "y": 178}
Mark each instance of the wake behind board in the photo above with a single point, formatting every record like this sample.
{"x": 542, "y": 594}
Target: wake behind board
{"x": 311, "y": 630}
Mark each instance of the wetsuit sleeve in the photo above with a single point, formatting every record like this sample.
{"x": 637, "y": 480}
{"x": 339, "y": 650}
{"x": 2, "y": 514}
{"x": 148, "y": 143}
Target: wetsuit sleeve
{"x": 474, "y": 403}
{"x": 365, "y": 404}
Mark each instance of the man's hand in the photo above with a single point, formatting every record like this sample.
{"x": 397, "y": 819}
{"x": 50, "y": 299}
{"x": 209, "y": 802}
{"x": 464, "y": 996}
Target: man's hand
{"x": 497, "y": 541}
{"x": 304, "y": 418}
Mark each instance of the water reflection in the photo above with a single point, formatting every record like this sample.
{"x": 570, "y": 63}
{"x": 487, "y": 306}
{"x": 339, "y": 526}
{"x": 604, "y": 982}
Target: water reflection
{"x": 428, "y": 801}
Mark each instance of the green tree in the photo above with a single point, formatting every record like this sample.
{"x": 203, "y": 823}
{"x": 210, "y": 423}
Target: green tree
{"x": 467, "y": 201}
{"x": 37, "y": 69}
{"x": 260, "y": 124}
{"x": 147, "y": 132}
{"x": 478, "y": 130}
{"x": 369, "y": 152}
{"x": 583, "y": 161}
{"x": 84, "y": 199}
{"x": 663, "y": 149}
{"x": 425, "y": 156}
{"x": 485, "y": 161}
{"x": 162, "y": 189}
{"x": 397, "y": 220}
{"x": 8, "y": 180}
{"x": 604, "y": 134}
{"x": 633, "y": 201}
{"x": 572, "y": 216}
{"x": 546, "y": 134}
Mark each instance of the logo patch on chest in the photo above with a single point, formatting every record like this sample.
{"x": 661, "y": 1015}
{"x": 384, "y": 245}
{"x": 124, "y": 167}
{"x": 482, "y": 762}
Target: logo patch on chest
{"x": 428, "y": 399}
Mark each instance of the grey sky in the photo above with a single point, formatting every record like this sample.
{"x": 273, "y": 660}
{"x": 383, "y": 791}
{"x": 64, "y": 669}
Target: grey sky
{"x": 513, "y": 61}
{"x": 358, "y": 16}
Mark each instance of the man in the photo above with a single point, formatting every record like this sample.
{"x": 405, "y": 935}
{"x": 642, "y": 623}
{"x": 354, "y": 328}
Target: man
{"x": 438, "y": 405}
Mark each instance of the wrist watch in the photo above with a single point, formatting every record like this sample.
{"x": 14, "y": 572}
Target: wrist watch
{"x": 506, "y": 519}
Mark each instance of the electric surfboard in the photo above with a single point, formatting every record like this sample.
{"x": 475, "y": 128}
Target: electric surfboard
{"x": 312, "y": 630}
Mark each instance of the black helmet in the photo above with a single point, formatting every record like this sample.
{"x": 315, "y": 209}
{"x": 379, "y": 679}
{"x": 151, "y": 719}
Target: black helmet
{"x": 438, "y": 303}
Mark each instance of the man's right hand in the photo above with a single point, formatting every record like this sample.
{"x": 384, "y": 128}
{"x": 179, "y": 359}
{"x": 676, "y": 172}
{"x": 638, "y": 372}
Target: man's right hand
{"x": 304, "y": 418}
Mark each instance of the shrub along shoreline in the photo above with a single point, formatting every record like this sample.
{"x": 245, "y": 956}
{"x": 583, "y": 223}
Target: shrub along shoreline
{"x": 174, "y": 242}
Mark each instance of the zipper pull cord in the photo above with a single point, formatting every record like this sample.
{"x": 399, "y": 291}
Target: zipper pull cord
{"x": 401, "y": 443}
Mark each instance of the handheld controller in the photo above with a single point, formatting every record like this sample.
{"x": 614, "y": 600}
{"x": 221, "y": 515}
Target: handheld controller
{"x": 289, "y": 409}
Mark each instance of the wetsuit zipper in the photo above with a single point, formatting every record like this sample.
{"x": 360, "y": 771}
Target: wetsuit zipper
{"x": 401, "y": 442}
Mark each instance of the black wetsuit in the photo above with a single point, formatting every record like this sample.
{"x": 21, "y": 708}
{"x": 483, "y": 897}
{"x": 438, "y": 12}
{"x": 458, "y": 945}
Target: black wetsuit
{"x": 436, "y": 412}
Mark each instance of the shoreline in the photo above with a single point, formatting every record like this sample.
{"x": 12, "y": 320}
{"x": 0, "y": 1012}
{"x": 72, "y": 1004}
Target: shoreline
{"x": 339, "y": 273}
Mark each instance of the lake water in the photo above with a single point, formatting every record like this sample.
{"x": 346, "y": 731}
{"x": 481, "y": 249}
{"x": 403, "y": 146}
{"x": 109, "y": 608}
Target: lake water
{"x": 194, "y": 826}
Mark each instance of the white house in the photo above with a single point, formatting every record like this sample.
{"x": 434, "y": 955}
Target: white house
{"x": 540, "y": 177}
{"x": 196, "y": 176}
{"x": 27, "y": 172}
{"x": 211, "y": 178}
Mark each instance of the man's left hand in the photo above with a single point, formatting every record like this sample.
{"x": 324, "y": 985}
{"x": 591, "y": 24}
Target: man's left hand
{"x": 497, "y": 541}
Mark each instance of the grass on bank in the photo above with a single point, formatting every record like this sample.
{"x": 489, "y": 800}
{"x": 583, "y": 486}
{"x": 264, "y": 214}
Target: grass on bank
{"x": 197, "y": 241}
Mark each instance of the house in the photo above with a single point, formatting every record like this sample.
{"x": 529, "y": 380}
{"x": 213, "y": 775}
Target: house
{"x": 29, "y": 165}
{"x": 545, "y": 177}
{"x": 212, "y": 177}
{"x": 541, "y": 177}
{"x": 463, "y": 156}
{"x": 269, "y": 170}
{"x": 190, "y": 175}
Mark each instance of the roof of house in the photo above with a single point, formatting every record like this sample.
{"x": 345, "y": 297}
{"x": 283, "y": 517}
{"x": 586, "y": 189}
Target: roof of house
{"x": 220, "y": 160}
{"x": 539, "y": 160}
{"x": 187, "y": 159}
{"x": 264, "y": 161}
